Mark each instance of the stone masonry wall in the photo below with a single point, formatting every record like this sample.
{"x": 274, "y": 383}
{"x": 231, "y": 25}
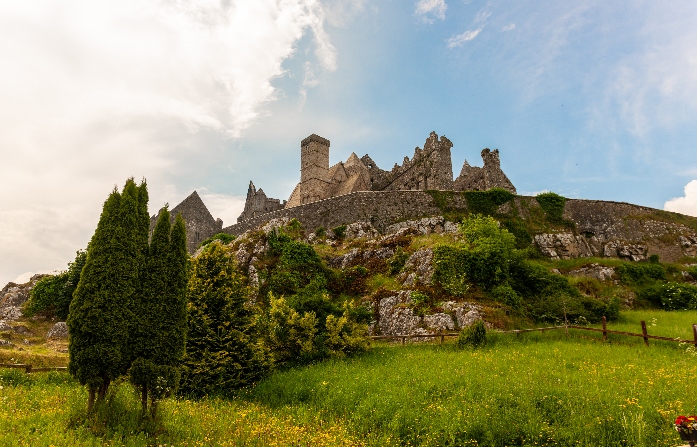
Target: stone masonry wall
{"x": 603, "y": 229}
{"x": 381, "y": 208}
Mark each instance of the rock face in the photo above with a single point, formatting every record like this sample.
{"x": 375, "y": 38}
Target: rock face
{"x": 418, "y": 269}
{"x": 396, "y": 317}
{"x": 568, "y": 246}
{"x": 361, "y": 230}
{"x": 427, "y": 225}
{"x": 58, "y": 330}
{"x": 4, "y": 327}
{"x": 13, "y": 296}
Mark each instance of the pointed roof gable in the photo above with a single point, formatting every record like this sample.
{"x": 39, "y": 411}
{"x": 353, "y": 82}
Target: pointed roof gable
{"x": 192, "y": 208}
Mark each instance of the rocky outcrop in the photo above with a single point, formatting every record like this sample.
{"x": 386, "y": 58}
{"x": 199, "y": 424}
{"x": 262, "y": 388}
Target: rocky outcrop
{"x": 631, "y": 252}
{"x": 418, "y": 269}
{"x": 689, "y": 245}
{"x": 4, "y": 326}
{"x": 427, "y": 225}
{"x": 13, "y": 296}
{"x": 58, "y": 331}
{"x": 563, "y": 245}
{"x": 361, "y": 230}
{"x": 396, "y": 316}
{"x": 363, "y": 257}
{"x": 597, "y": 271}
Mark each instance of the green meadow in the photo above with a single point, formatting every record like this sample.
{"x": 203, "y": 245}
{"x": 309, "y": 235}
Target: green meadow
{"x": 536, "y": 389}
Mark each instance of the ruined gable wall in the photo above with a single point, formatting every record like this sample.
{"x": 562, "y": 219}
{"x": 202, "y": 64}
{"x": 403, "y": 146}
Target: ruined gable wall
{"x": 484, "y": 178}
{"x": 199, "y": 222}
{"x": 429, "y": 168}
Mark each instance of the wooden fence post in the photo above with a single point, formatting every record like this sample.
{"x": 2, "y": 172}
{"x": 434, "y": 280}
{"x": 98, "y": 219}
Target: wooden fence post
{"x": 694, "y": 333}
{"x": 643, "y": 331}
{"x": 604, "y": 328}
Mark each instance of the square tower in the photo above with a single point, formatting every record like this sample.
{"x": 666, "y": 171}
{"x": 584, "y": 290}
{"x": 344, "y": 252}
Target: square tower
{"x": 314, "y": 169}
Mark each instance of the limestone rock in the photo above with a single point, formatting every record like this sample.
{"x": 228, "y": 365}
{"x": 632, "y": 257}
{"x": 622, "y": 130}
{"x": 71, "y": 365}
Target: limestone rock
{"x": 274, "y": 224}
{"x": 465, "y": 313}
{"x": 361, "y": 230}
{"x": 4, "y": 327}
{"x": 597, "y": 271}
{"x": 563, "y": 246}
{"x": 58, "y": 330}
{"x": 395, "y": 317}
{"x": 689, "y": 245}
{"x": 13, "y": 296}
{"x": 631, "y": 252}
{"x": 21, "y": 329}
{"x": 427, "y": 225}
{"x": 7, "y": 343}
{"x": 439, "y": 322}
{"x": 418, "y": 268}
{"x": 363, "y": 257}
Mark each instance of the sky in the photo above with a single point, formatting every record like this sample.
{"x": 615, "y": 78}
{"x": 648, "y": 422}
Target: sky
{"x": 592, "y": 100}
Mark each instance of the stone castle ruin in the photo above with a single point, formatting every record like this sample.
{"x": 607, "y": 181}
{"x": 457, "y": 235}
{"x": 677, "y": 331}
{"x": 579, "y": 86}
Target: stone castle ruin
{"x": 430, "y": 168}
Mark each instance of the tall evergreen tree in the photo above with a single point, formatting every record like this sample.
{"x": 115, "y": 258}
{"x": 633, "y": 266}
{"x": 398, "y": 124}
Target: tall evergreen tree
{"x": 220, "y": 355}
{"x": 101, "y": 312}
{"x": 159, "y": 335}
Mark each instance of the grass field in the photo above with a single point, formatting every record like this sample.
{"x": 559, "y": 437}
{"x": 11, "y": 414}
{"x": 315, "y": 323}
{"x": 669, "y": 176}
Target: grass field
{"x": 534, "y": 390}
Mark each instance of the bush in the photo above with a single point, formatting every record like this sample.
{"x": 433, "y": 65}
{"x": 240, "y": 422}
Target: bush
{"x": 297, "y": 266}
{"x": 473, "y": 336}
{"x": 505, "y": 294}
{"x": 320, "y": 232}
{"x": 345, "y": 335}
{"x": 224, "y": 238}
{"x": 671, "y": 296}
{"x": 287, "y": 335}
{"x": 553, "y": 206}
{"x": 640, "y": 274}
{"x": 397, "y": 261}
{"x": 339, "y": 232}
{"x": 53, "y": 294}
{"x": 487, "y": 202}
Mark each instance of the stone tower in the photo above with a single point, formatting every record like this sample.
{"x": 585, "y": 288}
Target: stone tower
{"x": 314, "y": 169}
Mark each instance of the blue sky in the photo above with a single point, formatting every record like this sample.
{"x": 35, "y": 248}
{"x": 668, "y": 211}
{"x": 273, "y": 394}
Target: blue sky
{"x": 590, "y": 99}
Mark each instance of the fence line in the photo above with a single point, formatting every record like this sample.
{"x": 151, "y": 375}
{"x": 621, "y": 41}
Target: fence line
{"x": 644, "y": 333}
{"x": 30, "y": 369}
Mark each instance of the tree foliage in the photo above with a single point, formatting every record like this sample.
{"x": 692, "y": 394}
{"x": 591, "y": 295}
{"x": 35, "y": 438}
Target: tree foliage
{"x": 53, "y": 294}
{"x": 159, "y": 333}
{"x": 101, "y": 312}
{"x": 221, "y": 355}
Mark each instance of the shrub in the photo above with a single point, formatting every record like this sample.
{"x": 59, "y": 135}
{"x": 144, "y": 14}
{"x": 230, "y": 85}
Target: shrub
{"x": 345, "y": 335}
{"x": 487, "y": 202}
{"x": 671, "y": 296}
{"x": 220, "y": 351}
{"x": 354, "y": 280}
{"x": 339, "y": 232}
{"x": 505, "y": 294}
{"x": 297, "y": 266}
{"x": 397, "y": 261}
{"x": 320, "y": 232}
{"x": 54, "y": 294}
{"x": 287, "y": 335}
{"x": 473, "y": 336}
{"x": 222, "y": 237}
{"x": 553, "y": 206}
{"x": 640, "y": 274}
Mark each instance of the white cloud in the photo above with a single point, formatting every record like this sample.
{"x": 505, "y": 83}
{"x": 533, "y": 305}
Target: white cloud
{"x": 429, "y": 10}
{"x": 460, "y": 39}
{"x": 508, "y": 27}
{"x": 685, "y": 205}
{"x": 94, "y": 92}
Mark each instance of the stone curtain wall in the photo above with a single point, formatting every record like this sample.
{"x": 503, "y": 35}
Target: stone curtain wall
{"x": 381, "y": 208}
{"x": 602, "y": 229}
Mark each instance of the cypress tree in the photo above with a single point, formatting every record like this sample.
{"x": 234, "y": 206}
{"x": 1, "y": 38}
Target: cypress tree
{"x": 101, "y": 312}
{"x": 220, "y": 353}
{"x": 159, "y": 334}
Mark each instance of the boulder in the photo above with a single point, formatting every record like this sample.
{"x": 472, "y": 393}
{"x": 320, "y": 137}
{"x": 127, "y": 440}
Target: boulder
{"x": 4, "y": 326}
{"x": 631, "y": 252}
{"x": 7, "y": 343}
{"x": 597, "y": 271}
{"x": 58, "y": 330}
{"x": 361, "y": 229}
{"x": 21, "y": 329}
{"x": 395, "y": 317}
{"x": 439, "y": 322}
